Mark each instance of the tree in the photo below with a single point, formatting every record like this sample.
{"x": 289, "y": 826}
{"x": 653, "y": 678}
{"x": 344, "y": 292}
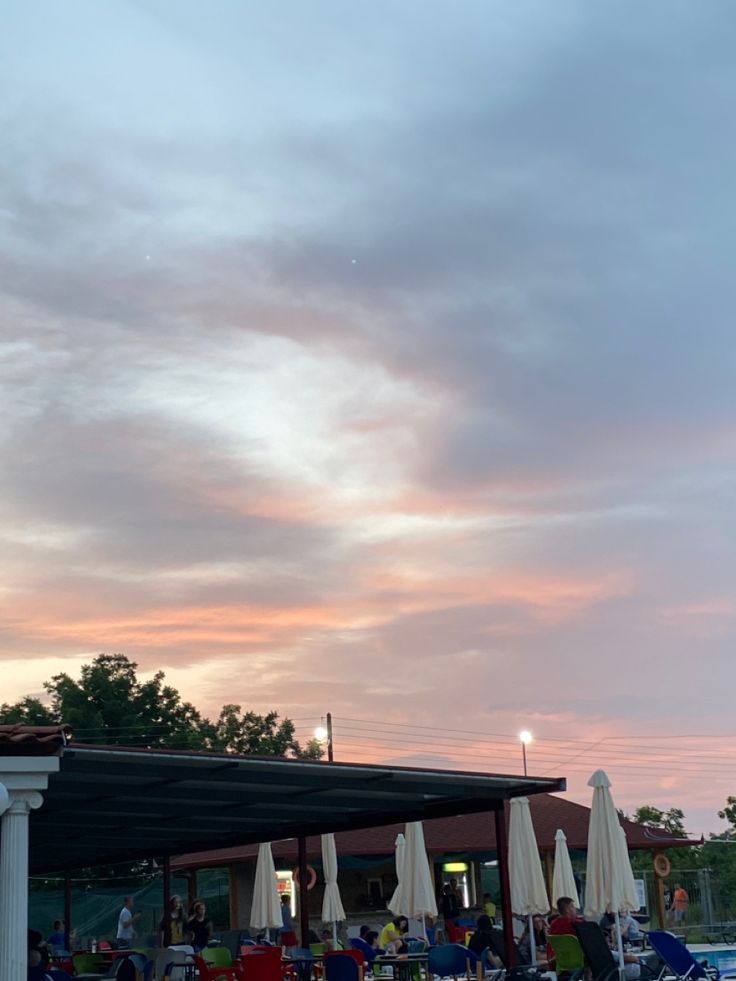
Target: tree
{"x": 264, "y": 735}
{"x": 670, "y": 821}
{"x": 109, "y": 704}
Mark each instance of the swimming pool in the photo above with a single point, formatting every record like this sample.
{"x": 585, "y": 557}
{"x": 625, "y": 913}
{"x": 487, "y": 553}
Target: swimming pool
{"x": 718, "y": 955}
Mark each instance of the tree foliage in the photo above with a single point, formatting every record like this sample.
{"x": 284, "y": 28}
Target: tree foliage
{"x": 670, "y": 821}
{"x": 110, "y": 704}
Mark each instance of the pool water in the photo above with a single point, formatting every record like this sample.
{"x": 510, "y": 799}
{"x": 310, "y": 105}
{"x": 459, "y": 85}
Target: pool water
{"x": 718, "y": 955}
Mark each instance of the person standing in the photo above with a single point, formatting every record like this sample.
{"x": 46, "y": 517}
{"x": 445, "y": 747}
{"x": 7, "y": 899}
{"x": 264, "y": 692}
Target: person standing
{"x": 176, "y": 922}
{"x": 450, "y": 906}
{"x": 287, "y": 934}
{"x": 680, "y": 903}
{"x": 199, "y": 928}
{"x": 126, "y": 919}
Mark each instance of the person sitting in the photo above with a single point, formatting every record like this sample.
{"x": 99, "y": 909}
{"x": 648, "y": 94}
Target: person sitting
{"x": 482, "y": 940}
{"x": 363, "y": 931}
{"x": 57, "y": 938}
{"x": 391, "y": 938}
{"x": 630, "y": 928}
{"x": 371, "y": 938}
{"x": 563, "y": 923}
{"x": 539, "y": 925}
{"x": 632, "y": 964}
{"x": 489, "y": 907}
{"x": 328, "y": 939}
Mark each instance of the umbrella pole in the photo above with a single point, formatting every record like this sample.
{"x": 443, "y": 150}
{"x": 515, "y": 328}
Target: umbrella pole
{"x": 620, "y": 944}
{"x": 532, "y": 945}
{"x": 334, "y": 934}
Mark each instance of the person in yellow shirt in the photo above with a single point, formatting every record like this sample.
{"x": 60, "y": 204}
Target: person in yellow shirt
{"x": 391, "y": 938}
{"x": 489, "y": 907}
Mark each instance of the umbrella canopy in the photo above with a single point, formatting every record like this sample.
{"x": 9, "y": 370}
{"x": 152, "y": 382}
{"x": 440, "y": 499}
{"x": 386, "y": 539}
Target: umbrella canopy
{"x": 528, "y": 891}
{"x": 563, "y": 880}
{"x": 266, "y": 909}
{"x": 332, "y": 908}
{"x": 417, "y": 889}
{"x": 394, "y": 904}
{"x": 609, "y": 881}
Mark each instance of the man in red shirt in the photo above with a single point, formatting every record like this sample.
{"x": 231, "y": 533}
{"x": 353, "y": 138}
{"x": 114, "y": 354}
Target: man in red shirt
{"x": 564, "y": 922}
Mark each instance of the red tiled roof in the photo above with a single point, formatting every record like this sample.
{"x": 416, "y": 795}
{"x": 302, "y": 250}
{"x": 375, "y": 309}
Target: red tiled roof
{"x": 464, "y": 833}
{"x": 18, "y": 740}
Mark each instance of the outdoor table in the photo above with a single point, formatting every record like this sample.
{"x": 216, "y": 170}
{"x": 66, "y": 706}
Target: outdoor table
{"x": 401, "y": 964}
{"x": 303, "y": 966}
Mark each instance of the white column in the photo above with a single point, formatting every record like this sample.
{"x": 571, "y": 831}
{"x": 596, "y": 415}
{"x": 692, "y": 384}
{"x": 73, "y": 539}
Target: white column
{"x": 14, "y": 884}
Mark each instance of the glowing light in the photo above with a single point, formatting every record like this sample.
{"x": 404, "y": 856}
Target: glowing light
{"x": 320, "y": 733}
{"x": 525, "y": 736}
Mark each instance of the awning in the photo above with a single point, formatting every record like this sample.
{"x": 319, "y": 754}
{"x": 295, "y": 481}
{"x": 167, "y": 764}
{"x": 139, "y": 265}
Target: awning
{"x": 116, "y": 804}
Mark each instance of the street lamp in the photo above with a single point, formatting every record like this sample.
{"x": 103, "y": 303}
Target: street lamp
{"x": 323, "y": 734}
{"x": 525, "y": 737}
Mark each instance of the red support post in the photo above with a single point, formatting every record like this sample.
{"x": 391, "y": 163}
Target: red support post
{"x": 303, "y": 891}
{"x": 502, "y": 856}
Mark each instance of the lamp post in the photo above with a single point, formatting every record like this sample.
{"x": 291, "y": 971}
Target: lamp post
{"x": 324, "y": 735}
{"x": 525, "y": 737}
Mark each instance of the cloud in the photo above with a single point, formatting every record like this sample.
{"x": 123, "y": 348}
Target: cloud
{"x": 399, "y": 367}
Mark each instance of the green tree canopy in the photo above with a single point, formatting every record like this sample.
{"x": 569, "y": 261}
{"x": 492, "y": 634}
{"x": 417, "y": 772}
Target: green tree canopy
{"x": 109, "y": 704}
{"x": 670, "y": 820}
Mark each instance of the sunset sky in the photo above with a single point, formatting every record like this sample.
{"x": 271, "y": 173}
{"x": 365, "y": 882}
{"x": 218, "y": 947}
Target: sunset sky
{"x": 379, "y": 358}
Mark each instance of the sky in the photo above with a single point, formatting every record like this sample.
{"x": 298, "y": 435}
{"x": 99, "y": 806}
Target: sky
{"x": 377, "y": 358}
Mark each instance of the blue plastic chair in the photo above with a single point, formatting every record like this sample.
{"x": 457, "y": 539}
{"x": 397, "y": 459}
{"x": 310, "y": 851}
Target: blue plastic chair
{"x": 370, "y": 954}
{"x": 450, "y": 960}
{"x": 341, "y": 967}
{"x": 678, "y": 958}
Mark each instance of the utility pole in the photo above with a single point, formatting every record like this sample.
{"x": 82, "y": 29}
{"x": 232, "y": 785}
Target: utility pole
{"x": 330, "y": 748}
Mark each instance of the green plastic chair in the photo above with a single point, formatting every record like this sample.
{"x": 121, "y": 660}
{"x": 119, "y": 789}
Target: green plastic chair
{"x": 89, "y": 964}
{"x": 569, "y": 957}
{"x": 317, "y": 949}
{"x": 217, "y": 956}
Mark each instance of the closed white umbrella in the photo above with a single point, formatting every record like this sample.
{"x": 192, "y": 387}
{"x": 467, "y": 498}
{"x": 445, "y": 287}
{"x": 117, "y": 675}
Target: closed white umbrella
{"x": 332, "y": 908}
{"x": 609, "y": 881}
{"x": 528, "y": 891}
{"x": 417, "y": 898}
{"x": 563, "y": 880}
{"x": 265, "y": 913}
{"x": 394, "y": 904}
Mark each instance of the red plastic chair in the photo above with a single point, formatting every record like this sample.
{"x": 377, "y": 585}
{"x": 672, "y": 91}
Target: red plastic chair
{"x": 260, "y": 964}
{"x": 208, "y": 973}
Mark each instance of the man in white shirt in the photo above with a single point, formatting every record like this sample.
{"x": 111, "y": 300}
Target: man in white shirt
{"x": 125, "y": 923}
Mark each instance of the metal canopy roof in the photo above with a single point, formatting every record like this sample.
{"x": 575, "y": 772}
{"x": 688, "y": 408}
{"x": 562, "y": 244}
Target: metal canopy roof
{"x": 117, "y": 804}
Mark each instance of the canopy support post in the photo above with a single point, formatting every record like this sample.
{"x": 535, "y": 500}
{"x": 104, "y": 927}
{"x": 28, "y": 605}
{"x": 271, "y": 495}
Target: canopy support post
{"x": 502, "y": 856}
{"x": 303, "y": 891}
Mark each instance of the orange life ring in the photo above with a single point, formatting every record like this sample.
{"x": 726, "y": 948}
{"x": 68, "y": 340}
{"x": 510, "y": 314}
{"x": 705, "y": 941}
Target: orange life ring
{"x": 312, "y": 877}
{"x": 661, "y": 865}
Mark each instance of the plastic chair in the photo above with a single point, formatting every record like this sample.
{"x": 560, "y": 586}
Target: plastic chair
{"x": 569, "y": 957}
{"x": 89, "y": 964}
{"x": 56, "y": 974}
{"x": 600, "y": 957}
{"x": 678, "y": 958}
{"x": 357, "y": 943}
{"x": 357, "y": 955}
{"x": 209, "y": 973}
{"x": 341, "y": 966}
{"x": 217, "y": 956}
{"x": 449, "y": 961}
{"x": 260, "y": 964}
{"x": 318, "y": 949}
{"x": 173, "y": 962}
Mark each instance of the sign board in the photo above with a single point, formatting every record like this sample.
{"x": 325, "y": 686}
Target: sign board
{"x": 641, "y": 892}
